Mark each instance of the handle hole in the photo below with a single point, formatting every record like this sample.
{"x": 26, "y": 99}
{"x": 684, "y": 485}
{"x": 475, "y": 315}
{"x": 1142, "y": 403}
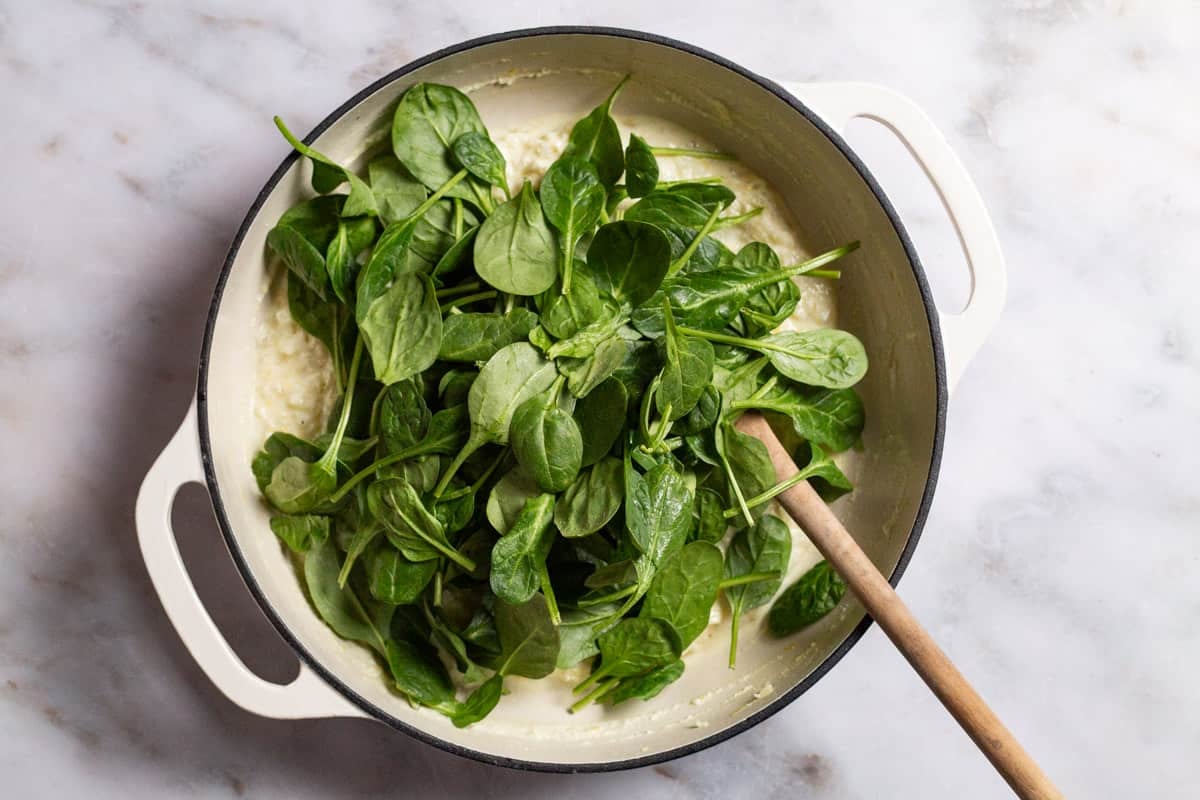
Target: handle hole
{"x": 921, "y": 209}
{"x": 223, "y": 591}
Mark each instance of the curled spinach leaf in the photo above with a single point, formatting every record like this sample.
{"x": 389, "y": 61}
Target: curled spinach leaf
{"x": 807, "y": 600}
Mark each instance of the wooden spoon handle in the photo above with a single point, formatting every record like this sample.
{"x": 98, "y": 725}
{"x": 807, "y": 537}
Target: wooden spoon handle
{"x": 885, "y": 606}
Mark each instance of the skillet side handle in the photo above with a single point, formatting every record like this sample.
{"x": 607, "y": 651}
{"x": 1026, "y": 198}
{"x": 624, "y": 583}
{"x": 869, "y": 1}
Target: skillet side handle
{"x": 306, "y": 696}
{"x": 963, "y": 333}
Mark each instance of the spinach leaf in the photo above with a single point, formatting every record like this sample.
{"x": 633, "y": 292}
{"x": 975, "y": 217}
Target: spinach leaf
{"x": 547, "y": 442}
{"x": 709, "y": 196}
{"x": 480, "y": 703}
{"x": 319, "y": 319}
{"x": 341, "y": 257}
{"x": 634, "y": 646}
{"x": 641, "y": 167}
{"x": 659, "y": 512}
{"x": 684, "y": 589}
{"x": 297, "y": 486}
{"x": 763, "y": 549}
{"x": 478, "y": 155}
{"x": 823, "y": 357}
{"x": 629, "y": 260}
{"x": 395, "y": 579}
{"x": 388, "y": 258}
{"x": 832, "y": 418}
{"x": 664, "y": 208}
{"x": 419, "y": 675}
{"x": 455, "y": 255}
{"x": 807, "y": 600}
{"x": 564, "y": 314}
{"x": 595, "y": 138}
{"x": 591, "y": 501}
{"x": 428, "y": 119}
{"x": 397, "y": 192}
{"x": 572, "y": 198}
{"x": 340, "y": 607}
{"x": 528, "y": 638}
{"x": 710, "y": 300}
{"x": 586, "y": 373}
{"x": 410, "y": 527}
{"x": 302, "y": 236}
{"x": 328, "y": 175}
{"x": 710, "y": 521}
{"x": 433, "y": 237}
{"x": 402, "y": 328}
{"x": 703, "y": 416}
{"x": 767, "y": 308}
{"x": 300, "y": 532}
{"x": 477, "y": 337}
{"x": 687, "y": 370}
{"x": 645, "y": 686}
{"x": 749, "y": 470}
{"x": 519, "y": 558}
{"x": 508, "y": 498}
{"x": 276, "y": 448}
{"x": 600, "y": 415}
{"x": 515, "y": 250}
{"x": 403, "y": 417}
{"x": 516, "y": 373}
{"x": 579, "y": 629}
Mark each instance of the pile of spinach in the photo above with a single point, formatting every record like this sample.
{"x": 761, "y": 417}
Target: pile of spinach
{"x": 533, "y": 460}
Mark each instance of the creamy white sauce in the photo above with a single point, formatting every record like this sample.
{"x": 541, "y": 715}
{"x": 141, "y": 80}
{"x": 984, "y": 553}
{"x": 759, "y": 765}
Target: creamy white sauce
{"x": 295, "y": 388}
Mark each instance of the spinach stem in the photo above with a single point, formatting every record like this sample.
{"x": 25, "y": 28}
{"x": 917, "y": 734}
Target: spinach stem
{"x": 733, "y": 639}
{"x": 733, "y": 481}
{"x": 470, "y": 286}
{"x": 419, "y": 449}
{"x": 437, "y": 589}
{"x": 672, "y": 152}
{"x": 458, "y": 219}
{"x": 737, "y": 219}
{"x": 686, "y": 255}
{"x": 773, "y": 492}
{"x": 600, "y": 674}
{"x": 470, "y": 447}
{"x": 749, "y": 577}
{"x": 608, "y": 598}
{"x": 467, "y": 300}
{"x": 548, "y": 592}
{"x": 828, "y": 274}
{"x": 684, "y": 181}
{"x": 450, "y": 183}
{"x": 594, "y": 695}
{"x": 479, "y": 482}
{"x": 765, "y": 388}
{"x": 449, "y": 552}
{"x": 328, "y": 461}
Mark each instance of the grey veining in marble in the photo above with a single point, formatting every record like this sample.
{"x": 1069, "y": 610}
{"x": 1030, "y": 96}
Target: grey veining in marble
{"x": 1059, "y": 567}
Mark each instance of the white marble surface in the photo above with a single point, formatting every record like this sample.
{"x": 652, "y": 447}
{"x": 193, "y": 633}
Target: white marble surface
{"x": 1059, "y": 567}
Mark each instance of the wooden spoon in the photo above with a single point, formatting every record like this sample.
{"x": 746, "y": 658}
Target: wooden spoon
{"x": 885, "y": 606}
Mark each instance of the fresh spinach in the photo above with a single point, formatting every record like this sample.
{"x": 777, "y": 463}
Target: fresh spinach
{"x": 515, "y": 250}
{"x": 591, "y": 500}
{"x": 762, "y": 549}
{"x": 572, "y": 199}
{"x": 807, "y": 600}
{"x": 641, "y": 167}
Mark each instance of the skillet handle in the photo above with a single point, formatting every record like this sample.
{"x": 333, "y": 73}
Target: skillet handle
{"x": 307, "y": 695}
{"x": 963, "y": 333}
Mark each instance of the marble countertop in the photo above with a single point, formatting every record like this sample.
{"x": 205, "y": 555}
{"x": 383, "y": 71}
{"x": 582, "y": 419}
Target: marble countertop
{"x": 1058, "y": 567}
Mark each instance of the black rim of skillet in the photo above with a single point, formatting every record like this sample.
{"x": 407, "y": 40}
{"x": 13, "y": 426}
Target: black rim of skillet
{"x": 548, "y": 766}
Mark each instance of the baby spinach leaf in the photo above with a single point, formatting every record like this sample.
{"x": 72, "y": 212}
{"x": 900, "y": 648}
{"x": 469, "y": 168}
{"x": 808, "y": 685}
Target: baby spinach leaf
{"x": 663, "y": 208}
{"x": 515, "y": 250}
{"x": 433, "y": 237}
{"x": 397, "y": 192}
{"x": 480, "y": 703}
{"x": 340, "y": 607}
{"x": 547, "y": 443}
{"x": 528, "y": 638}
{"x": 477, "y": 337}
{"x": 297, "y": 486}
{"x": 565, "y": 314}
{"x": 327, "y": 175}
{"x": 428, "y": 119}
{"x": 807, "y": 600}
{"x": 595, "y": 138}
{"x": 395, "y": 579}
{"x": 318, "y": 318}
{"x": 635, "y": 646}
{"x": 301, "y": 239}
{"x": 478, "y": 155}
{"x": 600, "y": 415}
{"x": 687, "y": 370}
{"x": 420, "y": 675}
{"x": 455, "y": 513}
{"x": 455, "y": 255}
{"x": 388, "y": 258}
{"x": 508, "y": 498}
{"x": 410, "y": 527}
{"x": 749, "y": 469}
{"x": 832, "y": 418}
{"x": 659, "y": 512}
{"x": 710, "y": 521}
{"x": 572, "y": 198}
{"x": 518, "y": 559}
{"x": 300, "y": 532}
{"x": 764, "y": 548}
{"x": 684, "y": 589}
{"x": 703, "y": 416}
{"x": 823, "y": 357}
{"x": 629, "y": 260}
{"x": 585, "y": 374}
{"x": 276, "y": 448}
{"x": 579, "y": 629}
{"x": 645, "y": 686}
{"x": 402, "y": 328}
{"x": 709, "y": 196}
{"x": 403, "y": 416}
{"x": 641, "y": 167}
{"x": 591, "y": 501}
